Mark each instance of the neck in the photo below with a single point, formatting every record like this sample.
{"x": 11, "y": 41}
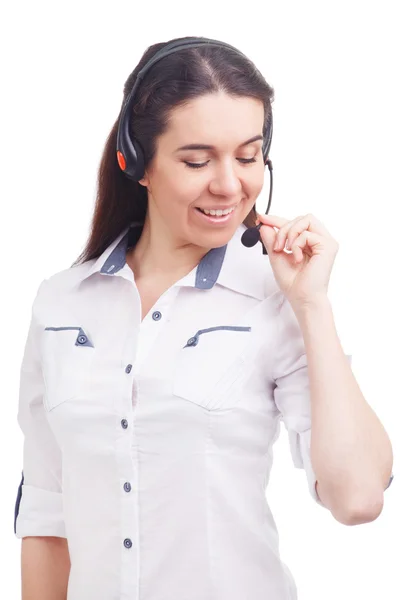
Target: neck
{"x": 156, "y": 254}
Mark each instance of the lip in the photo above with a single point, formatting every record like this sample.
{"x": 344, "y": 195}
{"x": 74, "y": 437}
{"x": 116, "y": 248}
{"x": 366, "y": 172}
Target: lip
{"x": 222, "y": 207}
{"x": 216, "y": 220}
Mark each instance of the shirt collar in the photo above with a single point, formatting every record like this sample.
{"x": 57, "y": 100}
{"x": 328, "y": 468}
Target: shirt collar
{"x": 232, "y": 266}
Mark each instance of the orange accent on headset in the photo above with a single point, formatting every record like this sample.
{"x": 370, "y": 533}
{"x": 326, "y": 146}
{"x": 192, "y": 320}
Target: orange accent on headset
{"x": 121, "y": 160}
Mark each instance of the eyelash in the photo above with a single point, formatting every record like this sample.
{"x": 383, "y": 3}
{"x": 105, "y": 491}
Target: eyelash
{"x": 200, "y": 165}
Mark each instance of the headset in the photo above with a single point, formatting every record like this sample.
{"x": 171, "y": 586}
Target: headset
{"x": 130, "y": 156}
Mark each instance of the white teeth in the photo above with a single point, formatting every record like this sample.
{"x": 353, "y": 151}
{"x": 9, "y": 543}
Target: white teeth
{"x": 218, "y": 213}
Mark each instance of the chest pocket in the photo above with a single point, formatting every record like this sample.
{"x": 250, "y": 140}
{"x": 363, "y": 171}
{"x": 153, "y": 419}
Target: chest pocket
{"x": 210, "y": 365}
{"x": 67, "y": 355}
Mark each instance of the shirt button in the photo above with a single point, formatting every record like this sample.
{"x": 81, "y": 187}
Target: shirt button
{"x": 156, "y": 315}
{"x": 128, "y": 369}
{"x": 82, "y": 339}
{"x": 127, "y": 486}
{"x": 124, "y": 423}
{"x": 127, "y": 543}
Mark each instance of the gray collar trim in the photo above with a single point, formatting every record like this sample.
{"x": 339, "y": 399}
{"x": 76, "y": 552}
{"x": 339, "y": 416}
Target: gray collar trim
{"x": 207, "y": 270}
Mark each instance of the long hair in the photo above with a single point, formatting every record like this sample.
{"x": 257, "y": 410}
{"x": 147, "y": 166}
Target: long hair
{"x": 173, "y": 81}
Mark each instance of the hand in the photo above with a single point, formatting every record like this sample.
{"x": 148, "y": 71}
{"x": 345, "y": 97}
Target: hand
{"x": 303, "y": 276}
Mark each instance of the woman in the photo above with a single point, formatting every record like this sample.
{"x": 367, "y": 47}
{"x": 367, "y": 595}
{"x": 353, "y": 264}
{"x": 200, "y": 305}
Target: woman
{"x": 158, "y": 367}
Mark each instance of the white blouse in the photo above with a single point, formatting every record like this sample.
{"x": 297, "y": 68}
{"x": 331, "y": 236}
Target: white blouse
{"x": 149, "y": 444}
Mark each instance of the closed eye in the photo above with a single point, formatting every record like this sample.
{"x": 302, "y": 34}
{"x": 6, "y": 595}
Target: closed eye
{"x": 200, "y": 165}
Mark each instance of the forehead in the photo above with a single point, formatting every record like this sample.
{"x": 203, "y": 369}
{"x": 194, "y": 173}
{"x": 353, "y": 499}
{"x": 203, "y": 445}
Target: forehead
{"x": 215, "y": 119}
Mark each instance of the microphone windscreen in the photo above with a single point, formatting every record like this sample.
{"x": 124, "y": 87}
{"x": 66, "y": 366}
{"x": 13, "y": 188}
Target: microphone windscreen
{"x": 251, "y": 236}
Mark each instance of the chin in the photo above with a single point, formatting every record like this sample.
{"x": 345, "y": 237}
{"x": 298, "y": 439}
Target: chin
{"x": 217, "y": 238}
{"x": 209, "y": 235}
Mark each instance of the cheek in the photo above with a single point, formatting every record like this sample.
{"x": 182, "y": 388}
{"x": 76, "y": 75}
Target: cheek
{"x": 253, "y": 186}
{"x": 259, "y": 178}
{"x": 173, "y": 193}
{"x": 256, "y": 190}
{"x": 182, "y": 184}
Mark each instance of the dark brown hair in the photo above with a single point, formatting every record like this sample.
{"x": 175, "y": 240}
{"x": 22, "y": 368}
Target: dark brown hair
{"x": 171, "y": 82}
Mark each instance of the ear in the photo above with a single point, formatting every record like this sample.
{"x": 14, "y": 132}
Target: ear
{"x": 144, "y": 181}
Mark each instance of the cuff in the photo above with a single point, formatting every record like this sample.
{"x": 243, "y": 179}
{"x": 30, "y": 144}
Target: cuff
{"x": 390, "y": 481}
{"x": 301, "y": 455}
{"x": 39, "y": 512}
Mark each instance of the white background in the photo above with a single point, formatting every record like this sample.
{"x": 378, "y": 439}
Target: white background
{"x": 335, "y": 151}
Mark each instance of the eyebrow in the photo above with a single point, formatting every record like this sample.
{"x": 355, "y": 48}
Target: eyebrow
{"x": 208, "y": 147}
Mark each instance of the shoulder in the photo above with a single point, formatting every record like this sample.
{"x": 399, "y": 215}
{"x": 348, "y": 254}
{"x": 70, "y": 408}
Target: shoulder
{"x": 61, "y": 282}
{"x": 68, "y": 278}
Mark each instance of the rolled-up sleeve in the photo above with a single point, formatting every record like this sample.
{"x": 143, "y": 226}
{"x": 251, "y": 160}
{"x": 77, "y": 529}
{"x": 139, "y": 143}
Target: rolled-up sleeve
{"x": 38, "y": 506}
{"x": 292, "y": 391}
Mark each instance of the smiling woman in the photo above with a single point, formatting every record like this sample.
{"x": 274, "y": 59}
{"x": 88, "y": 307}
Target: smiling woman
{"x": 158, "y": 368}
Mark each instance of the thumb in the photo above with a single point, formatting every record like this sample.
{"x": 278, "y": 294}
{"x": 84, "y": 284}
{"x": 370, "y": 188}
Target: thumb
{"x": 268, "y": 236}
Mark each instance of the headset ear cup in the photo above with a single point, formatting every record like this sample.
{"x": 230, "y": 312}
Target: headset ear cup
{"x": 138, "y": 166}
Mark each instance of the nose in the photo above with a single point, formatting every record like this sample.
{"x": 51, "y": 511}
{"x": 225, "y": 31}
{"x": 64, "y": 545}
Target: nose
{"x": 225, "y": 181}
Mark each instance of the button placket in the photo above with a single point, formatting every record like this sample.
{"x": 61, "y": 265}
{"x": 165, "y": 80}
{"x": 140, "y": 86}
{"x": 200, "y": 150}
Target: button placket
{"x": 127, "y": 488}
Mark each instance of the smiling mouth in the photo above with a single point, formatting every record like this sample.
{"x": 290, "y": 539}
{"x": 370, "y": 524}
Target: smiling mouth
{"x": 216, "y": 212}
{"x": 216, "y": 219}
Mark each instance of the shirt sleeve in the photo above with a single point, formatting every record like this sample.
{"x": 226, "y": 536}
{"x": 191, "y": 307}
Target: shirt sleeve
{"x": 38, "y": 507}
{"x": 292, "y": 392}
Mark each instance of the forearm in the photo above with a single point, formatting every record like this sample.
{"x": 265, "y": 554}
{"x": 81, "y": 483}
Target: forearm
{"x": 351, "y": 452}
{"x": 45, "y": 567}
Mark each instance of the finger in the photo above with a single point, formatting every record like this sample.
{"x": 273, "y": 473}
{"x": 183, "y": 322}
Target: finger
{"x": 297, "y": 254}
{"x": 272, "y": 220}
{"x": 306, "y": 223}
{"x": 314, "y": 224}
{"x": 296, "y": 229}
{"x": 285, "y": 230}
{"x": 306, "y": 241}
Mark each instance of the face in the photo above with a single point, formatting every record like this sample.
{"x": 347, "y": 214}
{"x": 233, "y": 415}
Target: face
{"x": 228, "y": 174}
